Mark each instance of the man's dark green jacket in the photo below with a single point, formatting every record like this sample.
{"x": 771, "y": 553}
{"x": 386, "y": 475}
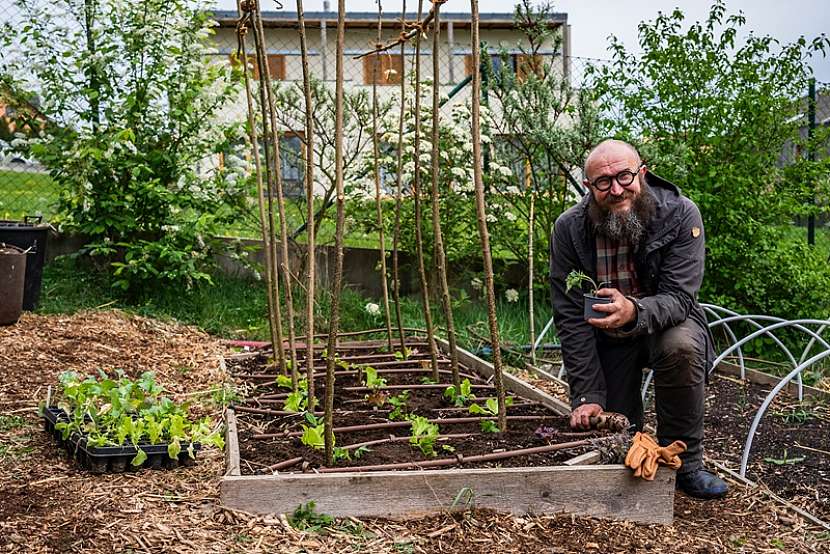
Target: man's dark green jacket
{"x": 669, "y": 261}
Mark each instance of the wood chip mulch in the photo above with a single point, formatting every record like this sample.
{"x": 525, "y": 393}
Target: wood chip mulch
{"x": 48, "y": 505}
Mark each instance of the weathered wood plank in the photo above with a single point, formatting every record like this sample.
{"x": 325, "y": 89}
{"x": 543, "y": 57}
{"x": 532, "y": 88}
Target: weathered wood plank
{"x": 761, "y": 378}
{"x": 511, "y": 383}
{"x": 231, "y": 444}
{"x": 608, "y": 492}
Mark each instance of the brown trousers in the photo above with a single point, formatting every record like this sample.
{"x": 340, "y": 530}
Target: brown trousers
{"x": 678, "y": 357}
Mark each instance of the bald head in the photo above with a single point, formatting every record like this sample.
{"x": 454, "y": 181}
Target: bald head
{"x": 610, "y": 149}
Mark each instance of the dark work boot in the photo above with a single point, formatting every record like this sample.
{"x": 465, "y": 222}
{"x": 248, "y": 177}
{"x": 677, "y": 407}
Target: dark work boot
{"x": 701, "y": 483}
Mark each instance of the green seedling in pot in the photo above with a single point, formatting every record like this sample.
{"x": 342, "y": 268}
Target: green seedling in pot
{"x": 576, "y": 279}
{"x": 118, "y": 411}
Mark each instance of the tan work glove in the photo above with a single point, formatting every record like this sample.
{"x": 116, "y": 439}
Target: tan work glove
{"x": 645, "y": 455}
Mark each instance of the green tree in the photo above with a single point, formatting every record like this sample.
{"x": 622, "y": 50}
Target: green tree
{"x": 133, "y": 102}
{"x": 713, "y": 114}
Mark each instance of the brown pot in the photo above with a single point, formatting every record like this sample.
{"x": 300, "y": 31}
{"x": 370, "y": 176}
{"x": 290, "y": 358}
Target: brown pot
{"x": 12, "y": 279}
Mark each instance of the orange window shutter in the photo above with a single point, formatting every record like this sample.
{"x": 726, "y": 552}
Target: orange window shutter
{"x": 276, "y": 66}
{"x": 468, "y": 65}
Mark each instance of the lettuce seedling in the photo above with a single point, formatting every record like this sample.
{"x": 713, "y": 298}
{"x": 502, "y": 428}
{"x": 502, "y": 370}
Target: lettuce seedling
{"x": 461, "y": 396}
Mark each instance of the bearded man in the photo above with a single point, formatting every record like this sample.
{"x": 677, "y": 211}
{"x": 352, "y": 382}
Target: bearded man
{"x": 637, "y": 233}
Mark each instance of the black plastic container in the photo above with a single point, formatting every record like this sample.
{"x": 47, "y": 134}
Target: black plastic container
{"x": 12, "y": 276}
{"x": 31, "y": 233}
{"x": 113, "y": 459}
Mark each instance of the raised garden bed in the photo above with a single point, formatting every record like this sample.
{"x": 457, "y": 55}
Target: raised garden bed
{"x": 115, "y": 459}
{"x": 535, "y": 467}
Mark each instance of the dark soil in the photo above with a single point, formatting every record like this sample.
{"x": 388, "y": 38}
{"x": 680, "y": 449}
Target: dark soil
{"x": 791, "y": 449}
{"x": 353, "y": 408}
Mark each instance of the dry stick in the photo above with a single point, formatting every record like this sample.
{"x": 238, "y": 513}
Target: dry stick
{"x": 309, "y": 186}
{"x": 338, "y": 267}
{"x": 285, "y": 267}
{"x": 416, "y": 30}
{"x": 482, "y": 216}
{"x": 241, "y": 31}
{"x": 438, "y": 238}
{"x": 269, "y": 173}
{"x": 416, "y": 194}
{"x": 531, "y": 312}
{"x": 376, "y": 154}
{"x": 396, "y": 237}
{"x": 459, "y": 459}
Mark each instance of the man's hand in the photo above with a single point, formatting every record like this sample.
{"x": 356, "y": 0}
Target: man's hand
{"x": 581, "y": 415}
{"x": 620, "y": 310}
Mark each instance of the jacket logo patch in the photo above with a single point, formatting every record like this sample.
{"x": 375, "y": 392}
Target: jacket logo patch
{"x": 695, "y": 232}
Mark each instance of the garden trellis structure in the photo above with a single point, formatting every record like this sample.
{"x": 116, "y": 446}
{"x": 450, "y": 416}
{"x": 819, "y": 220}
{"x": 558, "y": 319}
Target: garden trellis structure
{"x": 611, "y": 490}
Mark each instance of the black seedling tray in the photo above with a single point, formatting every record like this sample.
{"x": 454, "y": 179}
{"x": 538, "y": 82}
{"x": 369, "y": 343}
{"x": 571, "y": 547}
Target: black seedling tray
{"x": 114, "y": 459}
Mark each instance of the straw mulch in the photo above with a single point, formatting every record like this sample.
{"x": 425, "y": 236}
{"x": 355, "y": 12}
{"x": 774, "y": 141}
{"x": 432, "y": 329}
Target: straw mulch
{"x": 48, "y": 505}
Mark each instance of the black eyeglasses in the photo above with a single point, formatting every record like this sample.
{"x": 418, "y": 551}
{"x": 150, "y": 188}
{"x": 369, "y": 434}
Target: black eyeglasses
{"x": 624, "y": 178}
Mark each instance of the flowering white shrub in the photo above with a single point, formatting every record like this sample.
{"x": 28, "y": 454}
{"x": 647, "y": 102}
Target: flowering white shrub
{"x": 512, "y": 295}
{"x": 132, "y": 111}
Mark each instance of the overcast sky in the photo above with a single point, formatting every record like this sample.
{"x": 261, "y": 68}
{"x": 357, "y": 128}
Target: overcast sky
{"x": 592, "y": 21}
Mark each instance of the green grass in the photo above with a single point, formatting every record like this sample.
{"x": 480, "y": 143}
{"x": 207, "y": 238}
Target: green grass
{"x": 236, "y": 308}
{"x": 23, "y": 193}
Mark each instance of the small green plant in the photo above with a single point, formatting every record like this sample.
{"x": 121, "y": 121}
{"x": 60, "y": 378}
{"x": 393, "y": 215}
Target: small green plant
{"x": 371, "y": 380}
{"x": 307, "y": 518}
{"x": 403, "y": 355}
{"x": 794, "y": 415}
{"x": 427, "y": 381}
{"x": 424, "y": 434}
{"x": 462, "y": 396}
{"x": 490, "y": 409}
{"x": 785, "y": 460}
{"x": 398, "y": 403}
{"x": 576, "y": 278}
{"x": 10, "y": 422}
{"x": 313, "y": 434}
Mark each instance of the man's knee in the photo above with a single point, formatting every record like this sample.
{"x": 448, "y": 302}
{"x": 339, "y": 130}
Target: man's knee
{"x": 678, "y": 355}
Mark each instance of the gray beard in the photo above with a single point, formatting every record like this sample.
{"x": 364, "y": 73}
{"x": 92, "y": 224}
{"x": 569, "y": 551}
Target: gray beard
{"x": 626, "y": 227}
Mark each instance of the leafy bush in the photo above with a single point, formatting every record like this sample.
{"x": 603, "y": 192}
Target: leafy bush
{"x": 112, "y": 412}
{"x": 132, "y": 104}
{"x": 715, "y": 116}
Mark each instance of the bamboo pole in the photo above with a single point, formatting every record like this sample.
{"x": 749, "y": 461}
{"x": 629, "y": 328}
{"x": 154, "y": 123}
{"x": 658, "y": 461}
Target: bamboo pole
{"x": 438, "y": 238}
{"x": 253, "y": 137}
{"x": 416, "y": 195}
{"x": 482, "y": 215}
{"x": 269, "y": 173}
{"x": 378, "y": 207}
{"x": 265, "y": 80}
{"x": 531, "y": 309}
{"x": 338, "y": 267}
{"x": 396, "y": 235}
{"x": 309, "y": 195}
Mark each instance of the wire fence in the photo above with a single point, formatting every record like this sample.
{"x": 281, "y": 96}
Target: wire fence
{"x": 26, "y": 188}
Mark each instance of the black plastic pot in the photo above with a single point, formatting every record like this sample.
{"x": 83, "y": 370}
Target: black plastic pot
{"x": 12, "y": 278}
{"x": 590, "y": 302}
{"x": 30, "y": 234}
{"x": 113, "y": 459}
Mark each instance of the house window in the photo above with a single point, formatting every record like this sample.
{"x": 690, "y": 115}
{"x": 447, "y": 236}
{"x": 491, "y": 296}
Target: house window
{"x": 276, "y": 66}
{"x": 389, "y": 69}
{"x": 520, "y": 64}
{"x": 292, "y": 164}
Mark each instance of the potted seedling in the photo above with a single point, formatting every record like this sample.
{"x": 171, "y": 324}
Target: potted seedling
{"x": 576, "y": 279}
